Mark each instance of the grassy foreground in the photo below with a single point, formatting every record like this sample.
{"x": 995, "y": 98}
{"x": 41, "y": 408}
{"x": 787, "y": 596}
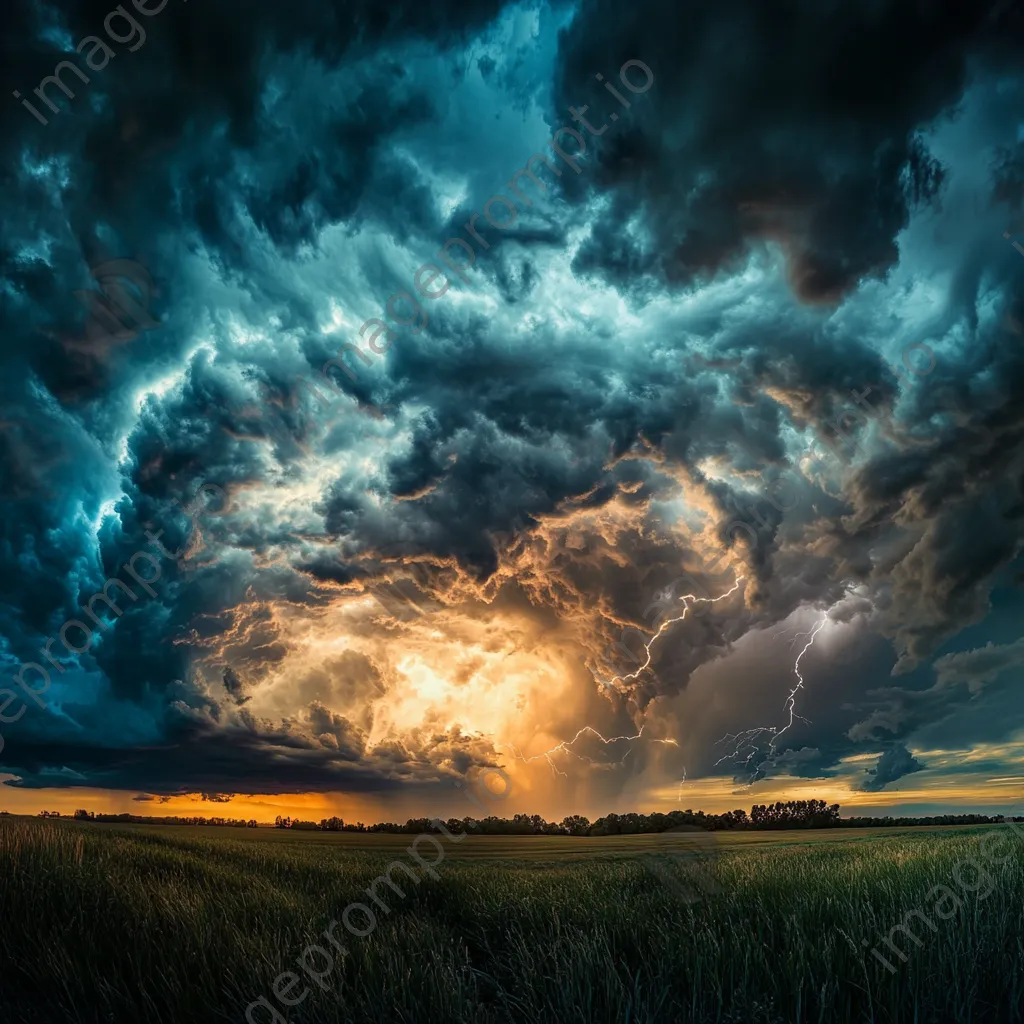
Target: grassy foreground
{"x": 130, "y": 923}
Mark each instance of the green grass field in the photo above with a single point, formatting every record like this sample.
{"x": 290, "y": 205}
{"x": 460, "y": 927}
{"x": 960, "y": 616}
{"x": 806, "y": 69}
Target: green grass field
{"x": 170, "y": 924}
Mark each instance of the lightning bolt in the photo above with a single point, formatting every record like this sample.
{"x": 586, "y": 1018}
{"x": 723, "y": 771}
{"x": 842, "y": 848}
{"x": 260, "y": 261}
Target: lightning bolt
{"x": 745, "y": 739}
{"x": 792, "y": 639}
{"x": 665, "y": 625}
{"x": 565, "y": 747}
{"x": 682, "y": 782}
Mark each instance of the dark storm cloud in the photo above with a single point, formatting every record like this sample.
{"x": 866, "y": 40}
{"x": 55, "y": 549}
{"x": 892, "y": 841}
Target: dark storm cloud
{"x": 201, "y": 762}
{"x": 790, "y": 120}
{"x": 336, "y": 732}
{"x": 475, "y": 481}
{"x": 200, "y": 753}
{"x": 234, "y": 685}
{"x": 979, "y": 667}
{"x": 146, "y": 170}
{"x": 896, "y": 762}
{"x": 153, "y": 158}
{"x": 967, "y": 687}
{"x": 249, "y": 141}
{"x": 954, "y": 478}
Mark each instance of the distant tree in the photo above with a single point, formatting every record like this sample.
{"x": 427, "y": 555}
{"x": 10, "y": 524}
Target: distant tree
{"x": 576, "y": 825}
{"x": 792, "y": 814}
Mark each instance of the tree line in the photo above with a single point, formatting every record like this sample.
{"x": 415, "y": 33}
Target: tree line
{"x": 170, "y": 819}
{"x": 791, "y": 814}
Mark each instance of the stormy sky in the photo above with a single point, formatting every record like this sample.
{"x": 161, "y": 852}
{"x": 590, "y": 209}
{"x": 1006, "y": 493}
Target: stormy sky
{"x": 408, "y": 365}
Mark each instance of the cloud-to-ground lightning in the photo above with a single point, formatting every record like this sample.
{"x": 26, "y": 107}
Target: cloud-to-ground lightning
{"x": 747, "y": 737}
{"x": 689, "y": 600}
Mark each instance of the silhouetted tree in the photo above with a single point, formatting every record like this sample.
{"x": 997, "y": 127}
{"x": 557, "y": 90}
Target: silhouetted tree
{"x": 790, "y": 814}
